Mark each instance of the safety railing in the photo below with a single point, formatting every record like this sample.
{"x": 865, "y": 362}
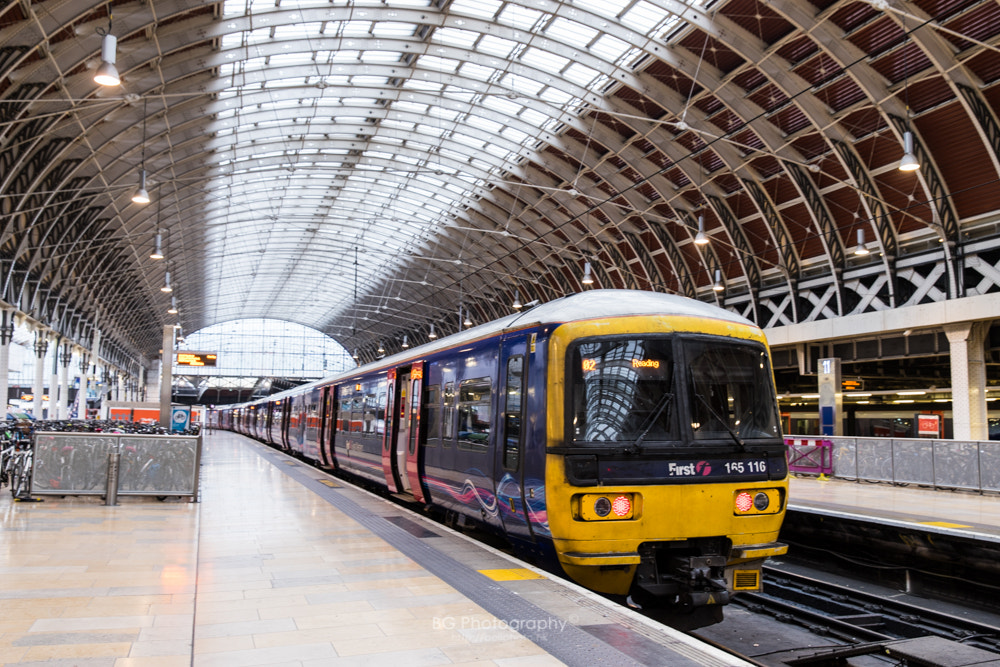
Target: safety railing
{"x": 972, "y": 465}
{"x": 810, "y": 456}
{"x": 145, "y": 465}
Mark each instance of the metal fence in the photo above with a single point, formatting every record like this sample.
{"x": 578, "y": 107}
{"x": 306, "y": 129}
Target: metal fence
{"x": 71, "y": 464}
{"x": 972, "y": 465}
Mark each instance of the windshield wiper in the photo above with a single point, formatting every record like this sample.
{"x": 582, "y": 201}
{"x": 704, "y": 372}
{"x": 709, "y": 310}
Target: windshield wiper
{"x": 636, "y": 447}
{"x": 736, "y": 438}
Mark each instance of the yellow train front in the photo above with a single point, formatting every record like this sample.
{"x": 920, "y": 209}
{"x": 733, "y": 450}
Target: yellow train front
{"x": 665, "y": 474}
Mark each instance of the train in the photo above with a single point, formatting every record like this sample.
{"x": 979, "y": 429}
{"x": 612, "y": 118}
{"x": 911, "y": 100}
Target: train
{"x": 628, "y": 439}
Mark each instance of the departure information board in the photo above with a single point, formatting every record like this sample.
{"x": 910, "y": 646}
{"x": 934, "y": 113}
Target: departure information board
{"x": 197, "y": 358}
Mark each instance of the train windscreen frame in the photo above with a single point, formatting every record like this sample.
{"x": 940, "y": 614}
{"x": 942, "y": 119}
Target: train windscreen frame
{"x": 624, "y": 390}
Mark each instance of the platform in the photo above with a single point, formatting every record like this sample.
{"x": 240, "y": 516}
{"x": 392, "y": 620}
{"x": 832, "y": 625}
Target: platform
{"x": 956, "y": 513}
{"x": 279, "y": 564}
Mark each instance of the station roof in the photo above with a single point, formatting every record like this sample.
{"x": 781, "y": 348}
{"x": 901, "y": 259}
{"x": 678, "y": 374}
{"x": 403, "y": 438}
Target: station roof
{"x": 371, "y": 168}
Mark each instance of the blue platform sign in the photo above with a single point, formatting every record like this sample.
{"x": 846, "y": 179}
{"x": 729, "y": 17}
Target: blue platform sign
{"x": 180, "y": 417}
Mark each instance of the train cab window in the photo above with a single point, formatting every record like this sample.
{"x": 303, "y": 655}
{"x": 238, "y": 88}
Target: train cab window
{"x": 474, "y": 398}
{"x": 513, "y": 437}
{"x": 622, "y": 390}
{"x": 448, "y": 414}
{"x": 731, "y": 392}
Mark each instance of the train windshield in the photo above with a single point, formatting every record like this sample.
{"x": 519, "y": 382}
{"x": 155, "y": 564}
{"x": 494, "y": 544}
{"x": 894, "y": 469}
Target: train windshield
{"x": 730, "y": 391}
{"x": 624, "y": 391}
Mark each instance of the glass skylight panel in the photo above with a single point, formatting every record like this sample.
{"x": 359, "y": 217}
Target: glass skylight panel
{"x": 521, "y": 84}
{"x": 610, "y": 8}
{"x": 464, "y": 39}
{"x": 346, "y": 56}
{"x": 479, "y": 72}
{"x": 389, "y": 29}
{"x": 519, "y": 16}
{"x": 484, "y": 9}
{"x": 442, "y": 113}
{"x": 609, "y": 48}
{"x": 389, "y": 124}
{"x": 489, "y": 126}
{"x": 502, "y": 105}
{"x": 380, "y": 57}
{"x": 580, "y": 74}
{"x": 231, "y": 40}
{"x": 555, "y": 96}
{"x": 643, "y": 16}
{"x": 514, "y": 135}
{"x": 543, "y": 60}
{"x": 437, "y": 64}
{"x": 296, "y": 30}
{"x": 570, "y": 32}
{"x": 496, "y": 46}
{"x": 370, "y": 81}
{"x": 423, "y": 85}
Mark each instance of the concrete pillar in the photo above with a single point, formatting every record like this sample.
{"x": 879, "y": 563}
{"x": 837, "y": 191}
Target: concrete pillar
{"x": 6, "y": 335}
{"x": 65, "y": 359}
{"x": 81, "y": 393}
{"x": 166, "y": 374}
{"x": 95, "y": 361}
{"x": 38, "y": 388}
{"x": 968, "y": 379}
{"x": 53, "y": 381}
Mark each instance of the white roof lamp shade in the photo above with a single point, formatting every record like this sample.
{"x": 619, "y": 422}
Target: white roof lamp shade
{"x": 909, "y": 161}
{"x": 861, "y": 249}
{"x": 701, "y": 238}
{"x": 141, "y": 195}
{"x": 107, "y": 73}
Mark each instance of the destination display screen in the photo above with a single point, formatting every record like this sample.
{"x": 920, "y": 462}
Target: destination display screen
{"x": 197, "y": 358}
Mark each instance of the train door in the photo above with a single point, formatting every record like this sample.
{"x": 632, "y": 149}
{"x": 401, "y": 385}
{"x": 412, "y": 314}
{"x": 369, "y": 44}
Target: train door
{"x": 411, "y": 469}
{"x": 509, "y": 463}
{"x": 389, "y": 434}
{"x": 286, "y": 415}
{"x": 402, "y": 432}
{"x": 326, "y": 415}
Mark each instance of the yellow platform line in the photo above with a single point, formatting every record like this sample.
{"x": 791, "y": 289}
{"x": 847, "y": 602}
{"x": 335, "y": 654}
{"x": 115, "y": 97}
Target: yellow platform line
{"x": 944, "y": 524}
{"x": 515, "y": 574}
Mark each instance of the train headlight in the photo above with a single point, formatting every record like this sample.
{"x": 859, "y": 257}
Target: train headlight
{"x": 602, "y": 507}
{"x": 761, "y": 501}
{"x": 757, "y": 501}
{"x": 605, "y": 506}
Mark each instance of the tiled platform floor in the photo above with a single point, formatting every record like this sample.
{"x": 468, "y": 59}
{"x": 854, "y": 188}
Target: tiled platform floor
{"x": 260, "y": 572}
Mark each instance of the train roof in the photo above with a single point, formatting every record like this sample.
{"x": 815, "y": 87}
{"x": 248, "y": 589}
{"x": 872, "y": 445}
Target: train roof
{"x": 575, "y": 307}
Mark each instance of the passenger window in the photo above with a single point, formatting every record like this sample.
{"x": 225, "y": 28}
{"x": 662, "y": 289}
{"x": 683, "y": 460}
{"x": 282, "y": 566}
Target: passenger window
{"x": 513, "y": 413}
{"x": 448, "y": 415}
{"x": 432, "y": 406}
{"x": 474, "y": 414}
{"x": 414, "y": 415}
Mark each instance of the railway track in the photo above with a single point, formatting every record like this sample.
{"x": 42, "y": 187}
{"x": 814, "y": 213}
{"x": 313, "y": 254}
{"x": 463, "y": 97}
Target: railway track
{"x": 808, "y": 621}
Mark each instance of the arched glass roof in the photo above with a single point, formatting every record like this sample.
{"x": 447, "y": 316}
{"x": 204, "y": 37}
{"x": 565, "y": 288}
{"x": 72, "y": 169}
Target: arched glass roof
{"x": 371, "y": 168}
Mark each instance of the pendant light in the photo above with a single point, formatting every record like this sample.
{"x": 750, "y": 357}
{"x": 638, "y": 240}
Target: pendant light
{"x": 517, "y": 305}
{"x": 173, "y": 306}
{"x": 588, "y": 277}
{"x": 860, "y": 249}
{"x": 166, "y": 283}
{"x": 701, "y": 238}
{"x": 157, "y": 247}
{"x": 432, "y": 335}
{"x": 107, "y": 73}
{"x": 718, "y": 281}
